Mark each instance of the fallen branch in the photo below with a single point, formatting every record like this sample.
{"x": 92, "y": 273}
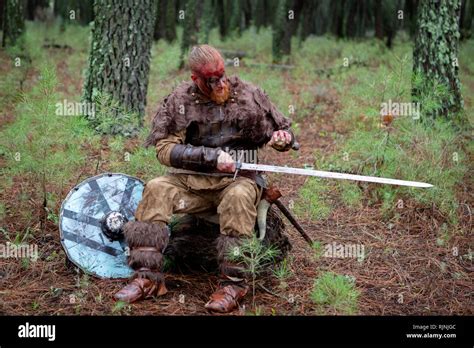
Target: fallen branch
{"x": 233, "y": 54}
{"x": 338, "y": 69}
{"x": 271, "y": 66}
{"x": 57, "y": 46}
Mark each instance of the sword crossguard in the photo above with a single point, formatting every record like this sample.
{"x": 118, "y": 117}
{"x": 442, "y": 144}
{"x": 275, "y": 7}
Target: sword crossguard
{"x": 238, "y": 165}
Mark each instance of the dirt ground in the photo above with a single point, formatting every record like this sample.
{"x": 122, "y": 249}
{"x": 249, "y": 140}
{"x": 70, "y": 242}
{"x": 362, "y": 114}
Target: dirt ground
{"x": 405, "y": 272}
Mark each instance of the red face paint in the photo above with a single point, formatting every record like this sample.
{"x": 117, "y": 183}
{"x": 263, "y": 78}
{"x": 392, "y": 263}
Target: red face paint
{"x": 214, "y": 69}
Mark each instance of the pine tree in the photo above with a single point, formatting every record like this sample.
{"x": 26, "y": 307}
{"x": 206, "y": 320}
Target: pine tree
{"x": 435, "y": 65}
{"x": 159, "y": 32}
{"x": 354, "y": 19}
{"x": 236, "y": 16}
{"x": 190, "y": 30}
{"x": 466, "y": 20}
{"x": 119, "y": 60}
{"x": 337, "y": 22}
{"x": 86, "y": 11}
{"x": 222, "y": 18}
{"x": 294, "y": 19}
{"x": 32, "y": 5}
{"x": 170, "y": 21}
{"x": 74, "y": 11}
{"x": 259, "y": 13}
{"x": 279, "y": 30}
{"x": 323, "y": 17}
{"x": 2, "y": 9}
{"x": 270, "y": 12}
{"x": 309, "y": 18}
{"x": 246, "y": 13}
{"x": 13, "y": 21}
{"x": 386, "y": 20}
{"x": 411, "y": 15}
{"x": 207, "y": 21}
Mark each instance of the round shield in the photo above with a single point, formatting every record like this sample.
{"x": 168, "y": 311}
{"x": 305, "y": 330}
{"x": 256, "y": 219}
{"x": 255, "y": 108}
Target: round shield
{"x": 91, "y": 220}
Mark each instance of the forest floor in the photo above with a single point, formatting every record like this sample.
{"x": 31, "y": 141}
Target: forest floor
{"x": 417, "y": 261}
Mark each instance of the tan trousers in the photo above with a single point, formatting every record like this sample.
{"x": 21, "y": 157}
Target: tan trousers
{"x": 235, "y": 201}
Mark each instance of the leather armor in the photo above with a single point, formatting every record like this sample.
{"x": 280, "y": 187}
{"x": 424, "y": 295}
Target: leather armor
{"x": 246, "y": 121}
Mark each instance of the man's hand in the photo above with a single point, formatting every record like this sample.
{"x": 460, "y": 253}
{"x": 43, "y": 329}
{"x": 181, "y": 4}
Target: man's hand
{"x": 280, "y": 139}
{"x": 225, "y": 163}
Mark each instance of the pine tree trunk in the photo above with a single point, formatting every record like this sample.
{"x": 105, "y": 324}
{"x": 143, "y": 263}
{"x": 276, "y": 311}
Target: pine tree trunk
{"x": 466, "y": 19}
{"x": 323, "y": 17}
{"x": 390, "y": 20}
{"x": 351, "y": 18}
{"x": 259, "y": 13}
{"x": 74, "y": 11}
{"x": 270, "y": 12}
{"x": 159, "y": 32}
{"x": 361, "y": 19}
{"x": 13, "y": 21}
{"x": 2, "y": 9}
{"x": 386, "y": 20}
{"x": 378, "y": 20}
{"x": 411, "y": 15}
{"x": 292, "y": 24}
{"x": 170, "y": 22}
{"x": 32, "y": 5}
{"x": 222, "y": 18}
{"x": 337, "y": 12}
{"x": 207, "y": 21}
{"x": 62, "y": 9}
{"x": 281, "y": 39}
{"x": 436, "y": 52}
{"x": 236, "y": 17}
{"x": 86, "y": 11}
{"x": 247, "y": 13}
{"x": 119, "y": 60}
{"x": 190, "y": 30}
{"x": 308, "y": 19}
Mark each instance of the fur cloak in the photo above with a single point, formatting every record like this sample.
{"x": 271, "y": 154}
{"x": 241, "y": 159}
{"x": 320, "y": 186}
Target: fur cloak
{"x": 248, "y": 107}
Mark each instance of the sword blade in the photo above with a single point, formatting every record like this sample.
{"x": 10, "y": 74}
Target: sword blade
{"x": 329, "y": 175}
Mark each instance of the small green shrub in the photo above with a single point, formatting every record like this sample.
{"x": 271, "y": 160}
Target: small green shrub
{"x": 336, "y": 292}
{"x": 313, "y": 200}
{"x": 254, "y": 256}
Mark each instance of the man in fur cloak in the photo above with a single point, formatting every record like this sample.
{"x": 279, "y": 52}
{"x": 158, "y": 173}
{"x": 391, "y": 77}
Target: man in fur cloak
{"x": 194, "y": 131}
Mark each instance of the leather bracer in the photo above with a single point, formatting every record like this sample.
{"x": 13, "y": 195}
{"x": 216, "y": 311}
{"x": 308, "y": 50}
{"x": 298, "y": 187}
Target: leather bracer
{"x": 197, "y": 158}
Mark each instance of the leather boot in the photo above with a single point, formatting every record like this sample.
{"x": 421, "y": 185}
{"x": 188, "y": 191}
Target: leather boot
{"x": 147, "y": 242}
{"x": 225, "y": 299}
{"x": 139, "y": 289}
{"x": 232, "y": 284}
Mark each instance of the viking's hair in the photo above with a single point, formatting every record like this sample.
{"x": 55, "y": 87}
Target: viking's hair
{"x": 201, "y": 55}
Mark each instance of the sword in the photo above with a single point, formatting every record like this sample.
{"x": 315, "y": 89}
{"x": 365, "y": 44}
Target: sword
{"x": 325, "y": 174}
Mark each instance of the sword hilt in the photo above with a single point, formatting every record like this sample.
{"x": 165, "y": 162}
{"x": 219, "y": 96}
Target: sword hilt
{"x": 238, "y": 165}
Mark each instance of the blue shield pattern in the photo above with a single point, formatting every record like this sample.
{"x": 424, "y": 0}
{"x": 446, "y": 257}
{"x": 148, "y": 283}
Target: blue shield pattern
{"x": 82, "y": 216}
